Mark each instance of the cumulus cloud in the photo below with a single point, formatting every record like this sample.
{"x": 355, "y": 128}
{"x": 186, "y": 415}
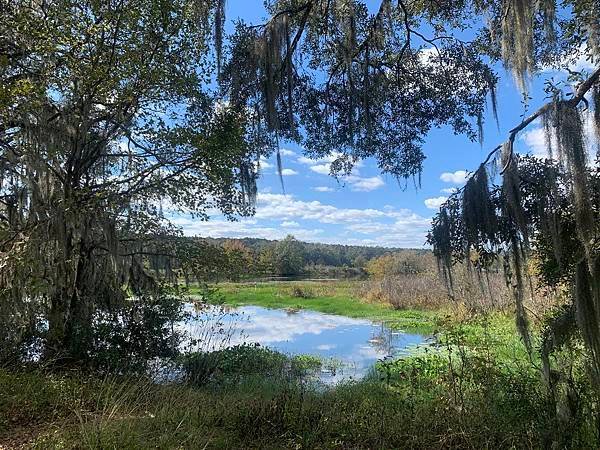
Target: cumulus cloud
{"x": 435, "y": 202}
{"x": 323, "y": 189}
{"x": 287, "y": 152}
{"x": 289, "y": 224}
{"x": 449, "y": 190}
{"x": 354, "y": 226}
{"x": 458, "y": 177}
{"x": 323, "y": 169}
{"x": 364, "y": 184}
{"x": 264, "y": 163}
{"x": 354, "y": 180}
{"x": 241, "y": 229}
{"x": 325, "y": 159}
{"x": 288, "y": 172}
{"x": 535, "y": 140}
{"x": 286, "y": 207}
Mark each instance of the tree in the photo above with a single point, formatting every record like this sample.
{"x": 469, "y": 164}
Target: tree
{"x": 547, "y": 210}
{"x": 105, "y": 118}
{"x": 288, "y": 256}
{"x": 333, "y": 76}
{"x": 240, "y": 259}
{"x": 406, "y": 262}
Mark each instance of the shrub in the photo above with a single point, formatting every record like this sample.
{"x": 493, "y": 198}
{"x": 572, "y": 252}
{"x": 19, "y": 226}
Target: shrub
{"x": 302, "y": 292}
{"x": 127, "y": 338}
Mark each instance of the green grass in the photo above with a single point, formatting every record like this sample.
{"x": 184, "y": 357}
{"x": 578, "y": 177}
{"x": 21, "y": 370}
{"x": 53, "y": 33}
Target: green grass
{"x": 338, "y": 298}
{"x": 478, "y": 390}
{"x": 475, "y": 395}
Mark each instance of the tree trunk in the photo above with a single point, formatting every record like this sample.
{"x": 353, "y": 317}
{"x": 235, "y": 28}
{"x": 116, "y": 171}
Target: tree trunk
{"x": 69, "y": 316}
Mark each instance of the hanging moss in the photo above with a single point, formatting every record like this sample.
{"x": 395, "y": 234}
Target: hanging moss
{"x": 447, "y": 238}
{"x": 587, "y": 304}
{"x": 591, "y": 20}
{"x": 559, "y": 329}
{"x": 596, "y": 98}
{"x": 572, "y": 151}
{"x": 219, "y": 25}
{"x": 548, "y": 193}
{"x": 549, "y": 132}
{"x": 547, "y": 9}
{"x": 511, "y": 192}
{"x": 478, "y": 212}
{"x": 517, "y": 39}
{"x": 480, "y": 127}
{"x": 513, "y": 272}
{"x": 248, "y": 183}
{"x": 443, "y": 249}
{"x": 493, "y": 98}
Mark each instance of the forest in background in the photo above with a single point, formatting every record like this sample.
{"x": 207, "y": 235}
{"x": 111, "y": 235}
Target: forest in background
{"x": 251, "y": 257}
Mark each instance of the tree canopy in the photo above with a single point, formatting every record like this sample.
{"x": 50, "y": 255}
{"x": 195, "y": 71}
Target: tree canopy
{"x": 106, "y": 118}
{"x": 112, "y": 111}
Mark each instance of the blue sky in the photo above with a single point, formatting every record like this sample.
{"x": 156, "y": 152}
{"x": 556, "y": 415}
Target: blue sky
{"x": 368, "y": 208}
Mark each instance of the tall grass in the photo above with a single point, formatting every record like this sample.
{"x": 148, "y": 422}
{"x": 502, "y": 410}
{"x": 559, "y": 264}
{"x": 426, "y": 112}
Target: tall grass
{"x": 479, "y": 390}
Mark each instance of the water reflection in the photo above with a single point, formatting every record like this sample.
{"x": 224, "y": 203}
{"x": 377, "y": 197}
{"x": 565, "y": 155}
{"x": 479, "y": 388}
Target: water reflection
{"x": 354, "y": 344}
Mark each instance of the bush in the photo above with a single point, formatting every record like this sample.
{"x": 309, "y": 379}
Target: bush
{"x": 302, "y": 292}
{"x": 234, "y": 364}
{"x": 407, "y": 291}
{"x": 127, "y": 338}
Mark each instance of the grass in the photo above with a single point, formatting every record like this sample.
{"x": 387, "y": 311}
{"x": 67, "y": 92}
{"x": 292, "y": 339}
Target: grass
{"x": 473, "y": 395}
{"x": 478, "y": 390}
{"x": 338, "y": 298}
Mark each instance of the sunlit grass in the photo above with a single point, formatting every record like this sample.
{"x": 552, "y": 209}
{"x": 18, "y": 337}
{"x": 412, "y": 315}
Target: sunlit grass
{"x": 340, "y": 298}
{"x": 478, "y": 391}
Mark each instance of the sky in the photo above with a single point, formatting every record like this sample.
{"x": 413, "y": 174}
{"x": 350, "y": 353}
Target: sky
{"x": 369, "y": 208}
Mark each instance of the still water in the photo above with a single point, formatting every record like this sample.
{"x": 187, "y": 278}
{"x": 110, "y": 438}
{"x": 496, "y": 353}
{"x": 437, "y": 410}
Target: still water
{"x": 349, "y": 347}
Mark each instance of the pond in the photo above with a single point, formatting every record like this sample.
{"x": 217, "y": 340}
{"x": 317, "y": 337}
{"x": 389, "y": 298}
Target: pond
{"x": 349, "y": 347}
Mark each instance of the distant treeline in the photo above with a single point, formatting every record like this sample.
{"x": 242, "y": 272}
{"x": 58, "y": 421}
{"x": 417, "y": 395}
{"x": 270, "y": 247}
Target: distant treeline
{"x": 336, "y": 255}
{"x": 252, "y": 257}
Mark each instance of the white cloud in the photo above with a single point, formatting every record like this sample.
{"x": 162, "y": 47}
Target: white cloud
{"x": 286, "y": 207}
{"x": 323, "y": 189}
{"x": 353, "y": 226}
{"x": 289, "y": 224}
{"x": 449, "y": 190}
{"x": 323, "y": 169}
{"x": 241, "y": 228}
{"x": 325, "y": 347}
{"x": 365, "y": 184}
{"x": 581, "y": 63}
{"x": 427, "y": 54}
{"x": 535, "y": 138}
{"x": 326, "y": 159}
{"x": 435, "y": 203}
{"x": 458, "y": 177}
{"x": 286, "y": 152}
{"x": 264, "y": 164}
{"x": 577, "y": 62}
{"x": 288, "y": 172}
